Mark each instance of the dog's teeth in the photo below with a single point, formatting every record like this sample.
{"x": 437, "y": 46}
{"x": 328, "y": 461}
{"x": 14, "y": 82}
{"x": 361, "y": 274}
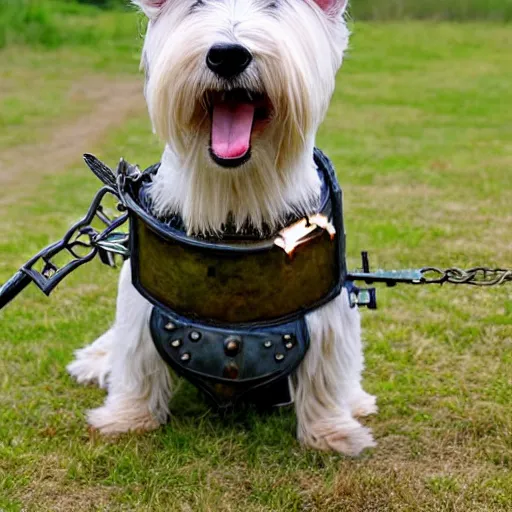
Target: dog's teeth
{"x": 250, "y": 96}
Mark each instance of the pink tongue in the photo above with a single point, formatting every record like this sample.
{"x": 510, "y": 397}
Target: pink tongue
{"x": 231, "y": 129}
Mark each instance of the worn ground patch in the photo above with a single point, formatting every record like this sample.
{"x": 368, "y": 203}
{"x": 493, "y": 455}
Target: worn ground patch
{"x": 111, "y": 102}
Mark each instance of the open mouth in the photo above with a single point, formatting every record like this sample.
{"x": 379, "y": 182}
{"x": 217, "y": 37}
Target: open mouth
{"x": 236, "y": 115}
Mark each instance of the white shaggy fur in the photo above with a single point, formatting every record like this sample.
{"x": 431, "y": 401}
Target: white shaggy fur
{"x": 297, "y": 48}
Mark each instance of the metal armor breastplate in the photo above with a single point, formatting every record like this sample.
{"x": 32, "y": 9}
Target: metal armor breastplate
{"x": 229, "y": 364}
{"x": 229, "y": 314}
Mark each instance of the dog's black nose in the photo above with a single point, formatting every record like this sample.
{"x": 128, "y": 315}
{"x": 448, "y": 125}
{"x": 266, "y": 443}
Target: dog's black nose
{"x": 228, "y": 60}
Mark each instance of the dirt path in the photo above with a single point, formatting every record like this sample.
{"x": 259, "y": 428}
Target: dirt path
{"x": 112, "y": 102}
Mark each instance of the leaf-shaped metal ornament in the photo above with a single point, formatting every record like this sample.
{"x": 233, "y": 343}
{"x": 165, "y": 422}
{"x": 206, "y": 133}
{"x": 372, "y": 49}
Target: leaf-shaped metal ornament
{"x": 102, "y": 171}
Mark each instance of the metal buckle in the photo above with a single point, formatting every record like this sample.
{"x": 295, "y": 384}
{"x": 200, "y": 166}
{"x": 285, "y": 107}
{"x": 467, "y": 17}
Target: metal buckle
{"x": 304, "y": 231}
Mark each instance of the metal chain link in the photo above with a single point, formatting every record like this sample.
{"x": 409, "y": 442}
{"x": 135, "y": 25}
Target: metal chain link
{"x": 478, "y": 276}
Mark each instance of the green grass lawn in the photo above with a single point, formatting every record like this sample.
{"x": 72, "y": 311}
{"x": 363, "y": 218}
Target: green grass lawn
{"x": 420, "y": 131}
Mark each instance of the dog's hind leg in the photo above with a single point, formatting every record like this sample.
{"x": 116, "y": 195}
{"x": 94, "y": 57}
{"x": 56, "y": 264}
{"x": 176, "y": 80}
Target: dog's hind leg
{"x": 328, "y": 392}
{"x": 92, "y": 363}
{"x": 139, "y": 384}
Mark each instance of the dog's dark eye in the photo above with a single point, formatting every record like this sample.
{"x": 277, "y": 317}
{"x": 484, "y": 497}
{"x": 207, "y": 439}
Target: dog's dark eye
{"x": 272, "y": 5}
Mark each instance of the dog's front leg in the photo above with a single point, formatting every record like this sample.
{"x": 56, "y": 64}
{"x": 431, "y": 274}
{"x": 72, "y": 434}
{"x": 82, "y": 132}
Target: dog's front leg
{"x": 139, "y": 385}
{"x": 328, "y": 392}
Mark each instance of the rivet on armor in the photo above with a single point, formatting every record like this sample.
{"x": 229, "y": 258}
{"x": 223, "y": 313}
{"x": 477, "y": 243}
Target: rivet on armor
{"x": 267, "y": 344}
{"x": 289, "y": 345}
{"x": 185, "y": 357}
{"x": 279, "y": 357}
{"x": 195, "y": 336}
{"x": 232, "y": 345}
{"x": 287, "y": 337}
{"x": 170, "y": 326}
{"x": 176, "y": 343}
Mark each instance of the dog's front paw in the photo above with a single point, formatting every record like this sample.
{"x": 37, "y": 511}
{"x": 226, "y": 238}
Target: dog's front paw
{"x": 112, "y": 421}
{"x": 344, "y": 435}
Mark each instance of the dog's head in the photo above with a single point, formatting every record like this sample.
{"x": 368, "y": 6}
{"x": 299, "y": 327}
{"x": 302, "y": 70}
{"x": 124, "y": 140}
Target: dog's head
{"x": 241, "y": 81}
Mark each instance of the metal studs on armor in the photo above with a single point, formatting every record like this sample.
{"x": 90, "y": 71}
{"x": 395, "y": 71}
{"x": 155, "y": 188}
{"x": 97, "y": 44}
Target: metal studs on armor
{"x": 176, "y": 343}
{"x": 195, "y": 336}
{"x": 279, "y": 357}
{"x": 170, "y": 326}
{"x": 232, "y": 345}
{"x": 267, "y": 344}
{"x": 185, "y": 357}
{"x": 289, "y": 341}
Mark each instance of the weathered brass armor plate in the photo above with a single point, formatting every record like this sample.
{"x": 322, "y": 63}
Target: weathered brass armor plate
{"x": 236, "y": 281}
{"x": 234, "y": 287}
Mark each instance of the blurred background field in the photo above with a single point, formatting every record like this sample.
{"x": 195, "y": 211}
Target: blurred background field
{"x": 449, "y": 10}
{"x": 420, "y": 132}
{"x": 54, "y": 22}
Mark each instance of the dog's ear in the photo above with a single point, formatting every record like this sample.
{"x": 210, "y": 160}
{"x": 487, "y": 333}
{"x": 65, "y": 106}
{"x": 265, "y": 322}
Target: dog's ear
{"x": 335, "y": 7}
{"x": 150, "y": 7}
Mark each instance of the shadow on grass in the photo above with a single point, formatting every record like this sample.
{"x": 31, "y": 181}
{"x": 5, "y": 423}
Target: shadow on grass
{"x": 190, "y": 406}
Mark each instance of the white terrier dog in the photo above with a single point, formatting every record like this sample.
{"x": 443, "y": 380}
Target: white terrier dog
{"x": 237, "y": 89}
